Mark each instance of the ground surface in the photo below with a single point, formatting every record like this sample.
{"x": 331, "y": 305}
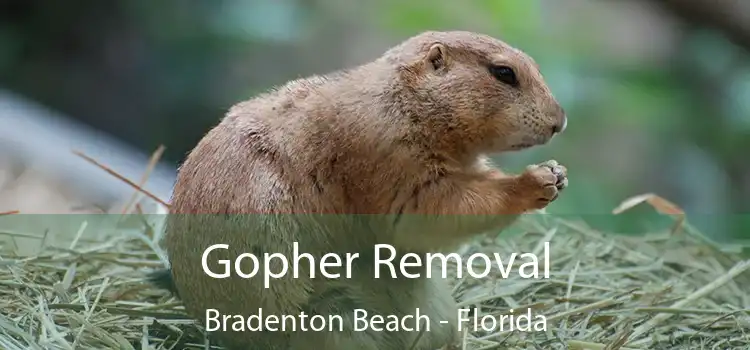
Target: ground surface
{"x": 661, "y": 291}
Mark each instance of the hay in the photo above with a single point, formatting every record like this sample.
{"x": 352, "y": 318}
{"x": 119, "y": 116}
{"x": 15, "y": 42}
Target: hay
{"x": 662, "y": 291}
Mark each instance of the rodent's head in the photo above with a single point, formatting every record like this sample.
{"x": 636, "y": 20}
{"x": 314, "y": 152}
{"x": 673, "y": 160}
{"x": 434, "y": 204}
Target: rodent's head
{"x": 492, "y": 95}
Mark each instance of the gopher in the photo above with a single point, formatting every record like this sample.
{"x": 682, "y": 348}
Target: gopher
{"x": 394, "y": 151}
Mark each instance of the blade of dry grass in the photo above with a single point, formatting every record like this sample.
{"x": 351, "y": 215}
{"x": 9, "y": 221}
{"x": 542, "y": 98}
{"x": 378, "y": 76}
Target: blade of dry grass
{"x": 121, "y": 178}
{"x": 149, "y": 168}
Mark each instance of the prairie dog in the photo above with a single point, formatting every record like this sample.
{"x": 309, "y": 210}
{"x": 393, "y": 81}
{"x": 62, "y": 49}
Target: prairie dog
{"x": 406, "y": 136}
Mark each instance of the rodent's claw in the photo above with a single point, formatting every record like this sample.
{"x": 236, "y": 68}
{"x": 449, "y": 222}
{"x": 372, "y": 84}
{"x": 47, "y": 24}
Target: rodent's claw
{"x": 560, "y": 171}
{"x": 544, "y": 182}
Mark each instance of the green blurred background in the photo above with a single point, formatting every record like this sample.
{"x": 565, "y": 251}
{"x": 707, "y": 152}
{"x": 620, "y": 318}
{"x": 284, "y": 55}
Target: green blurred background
{"x": 657, "y": 92}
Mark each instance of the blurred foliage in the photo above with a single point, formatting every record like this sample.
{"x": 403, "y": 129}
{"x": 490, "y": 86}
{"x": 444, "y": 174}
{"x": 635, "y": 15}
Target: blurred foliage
{"x": 680, "y": 129}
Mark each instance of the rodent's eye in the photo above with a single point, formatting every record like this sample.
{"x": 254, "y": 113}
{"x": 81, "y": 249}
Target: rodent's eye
{"x": 504, "y": 74}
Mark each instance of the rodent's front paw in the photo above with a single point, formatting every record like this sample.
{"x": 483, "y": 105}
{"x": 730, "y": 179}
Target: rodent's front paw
{"x": 542, "y": 183}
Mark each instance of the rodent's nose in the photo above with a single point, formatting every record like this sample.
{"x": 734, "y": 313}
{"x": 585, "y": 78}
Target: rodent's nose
{"x": 560, "y": 127}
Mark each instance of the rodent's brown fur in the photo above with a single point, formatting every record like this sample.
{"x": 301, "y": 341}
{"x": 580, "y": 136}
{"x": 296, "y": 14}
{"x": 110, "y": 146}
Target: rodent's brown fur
{"x": 407, "y": 133}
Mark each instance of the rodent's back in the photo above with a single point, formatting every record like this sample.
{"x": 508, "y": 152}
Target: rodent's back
{"x": 299, "y": 149}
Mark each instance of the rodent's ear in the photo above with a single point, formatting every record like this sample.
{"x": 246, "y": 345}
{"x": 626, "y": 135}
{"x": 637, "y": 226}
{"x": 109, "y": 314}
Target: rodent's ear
{"x": 437, "y": 57}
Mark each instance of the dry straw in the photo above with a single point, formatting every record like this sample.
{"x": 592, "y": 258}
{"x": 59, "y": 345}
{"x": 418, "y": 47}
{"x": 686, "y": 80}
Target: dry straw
{"x": 671, "y": 290}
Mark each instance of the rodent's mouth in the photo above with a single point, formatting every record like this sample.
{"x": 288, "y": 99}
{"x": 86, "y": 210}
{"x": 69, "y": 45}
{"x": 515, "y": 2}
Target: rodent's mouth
{"x": 518, "y": 141}
{"x": 521, "y": 146}
{"x": 529, "y": 143}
